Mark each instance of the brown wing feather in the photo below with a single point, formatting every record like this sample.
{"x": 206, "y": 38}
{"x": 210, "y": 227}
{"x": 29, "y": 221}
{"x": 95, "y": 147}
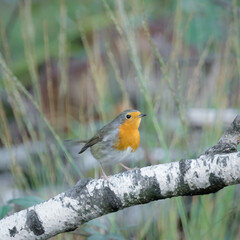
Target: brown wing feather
{"x": 95, "y": 139}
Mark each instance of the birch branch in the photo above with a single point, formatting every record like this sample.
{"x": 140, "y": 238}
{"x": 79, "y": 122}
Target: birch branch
{"x": 92, "y": 198}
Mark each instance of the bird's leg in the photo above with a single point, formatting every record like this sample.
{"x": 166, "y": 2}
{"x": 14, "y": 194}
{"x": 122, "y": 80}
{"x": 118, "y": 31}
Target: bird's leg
{"x": 127, "y": 168}
{"x": 104, "y": 174}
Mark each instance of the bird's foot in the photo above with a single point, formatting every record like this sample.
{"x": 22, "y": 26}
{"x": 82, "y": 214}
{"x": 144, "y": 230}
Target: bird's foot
{"x": 127, "y": 168}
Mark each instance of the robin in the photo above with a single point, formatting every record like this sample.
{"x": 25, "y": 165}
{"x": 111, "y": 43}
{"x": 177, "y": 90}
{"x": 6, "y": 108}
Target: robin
{"x": 116, "y": 140}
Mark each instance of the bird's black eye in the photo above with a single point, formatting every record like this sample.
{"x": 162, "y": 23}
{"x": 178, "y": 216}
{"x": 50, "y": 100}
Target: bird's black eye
{"x": 128, "y": 116}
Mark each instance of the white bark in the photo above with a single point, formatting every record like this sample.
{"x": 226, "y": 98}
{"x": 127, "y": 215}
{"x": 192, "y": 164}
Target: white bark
{"x": 91, "y": 198}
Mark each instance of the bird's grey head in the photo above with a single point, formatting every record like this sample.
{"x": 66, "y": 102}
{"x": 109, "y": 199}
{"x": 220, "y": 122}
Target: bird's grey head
{"x": 125, "y": 115}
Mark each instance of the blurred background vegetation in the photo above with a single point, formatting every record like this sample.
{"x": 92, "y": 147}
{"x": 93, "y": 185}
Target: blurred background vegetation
{"x": 69, "y": 67}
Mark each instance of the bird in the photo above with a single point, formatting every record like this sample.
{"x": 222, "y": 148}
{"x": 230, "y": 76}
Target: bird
{"x": 116, "y": 140}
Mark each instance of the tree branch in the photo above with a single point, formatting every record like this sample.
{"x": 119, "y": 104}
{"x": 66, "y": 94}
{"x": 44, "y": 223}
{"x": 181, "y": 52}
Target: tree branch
{"x": 92, "y": 198}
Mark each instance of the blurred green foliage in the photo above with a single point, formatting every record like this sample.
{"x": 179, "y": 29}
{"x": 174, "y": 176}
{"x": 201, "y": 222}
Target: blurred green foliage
{"x": 4, "y": 210}
{"x": 207, "y": 20}
{"x": 26, "y": 202}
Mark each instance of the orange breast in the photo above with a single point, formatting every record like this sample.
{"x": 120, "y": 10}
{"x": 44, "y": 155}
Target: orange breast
{"x": 128, "y": 137}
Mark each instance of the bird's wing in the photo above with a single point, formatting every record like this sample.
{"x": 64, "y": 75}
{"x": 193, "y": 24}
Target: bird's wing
{"x": 100, "y": 136}
{"x": 95, "y": 139}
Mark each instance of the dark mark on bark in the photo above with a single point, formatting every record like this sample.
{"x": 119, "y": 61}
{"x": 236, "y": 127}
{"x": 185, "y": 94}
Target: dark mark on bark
{"x": 64, "y": 204}
{"x": 216, "y": 184}
{"x": 229, "y": 140}
{"x": 196, "y": 174}
{"x": 34, "y": 224}
{"x": 149, "y": 189}
{"x": 104, "y": 199}
{"x": 221, "y": 147}
{"x": 137, "y": 176}
{"x": 79, "y": 188}
{"x": 13, "y": 231}
{"x": 216, "y": 181}
{"x": 168, "y": 178}
{"x": 112, "y": 202}
{"x": 80, "y": 193}
{"x": 184, "y": 166}
{"x": 61, "y": 200}
{"x": 222, "y": 161}
{"x": 70, "y": 227}
{"x": 202, "y": 191}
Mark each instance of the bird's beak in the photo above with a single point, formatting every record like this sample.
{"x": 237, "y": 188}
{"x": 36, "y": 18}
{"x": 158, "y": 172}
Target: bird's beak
{"x": 142, "y": 115}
